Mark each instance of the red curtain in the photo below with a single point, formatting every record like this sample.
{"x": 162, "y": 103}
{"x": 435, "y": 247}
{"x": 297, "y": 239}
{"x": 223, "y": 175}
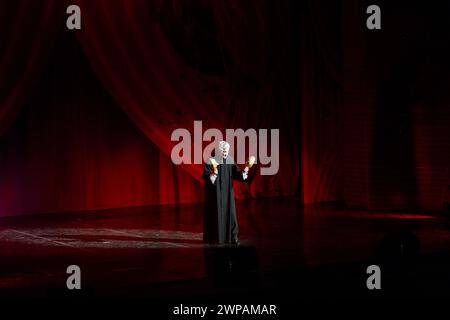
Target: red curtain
{"x": 231, "y": 64}
{"x": 73, "y": 147}
{"x": 322, "y": 101}
{"x": 28, "y": 29}
{"x": 150, "y": 56}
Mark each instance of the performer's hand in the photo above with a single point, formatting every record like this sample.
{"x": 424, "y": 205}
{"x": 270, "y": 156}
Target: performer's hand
{"x": 214, "y": 164}
{"x": 215, "y": 170}
{"x": 250, "y": 162}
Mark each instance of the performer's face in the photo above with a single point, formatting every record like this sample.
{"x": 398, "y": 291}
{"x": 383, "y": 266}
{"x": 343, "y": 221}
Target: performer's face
{"x": 224, "y": 153}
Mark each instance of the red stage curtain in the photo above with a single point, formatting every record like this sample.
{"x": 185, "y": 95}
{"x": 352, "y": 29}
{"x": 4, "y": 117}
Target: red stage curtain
{"x": 322, "y": 101}
{"x": 72, "y": 148}
{"x": 28, "y": 29}
{"x": 156, "y": 58}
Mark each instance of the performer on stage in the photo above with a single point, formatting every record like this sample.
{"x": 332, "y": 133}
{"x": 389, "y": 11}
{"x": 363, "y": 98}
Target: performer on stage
{"x": 220, "y": 223}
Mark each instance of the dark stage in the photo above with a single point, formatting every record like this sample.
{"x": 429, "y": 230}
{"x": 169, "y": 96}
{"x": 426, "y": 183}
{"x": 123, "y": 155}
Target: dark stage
{"x": 323, "y": 126}
{"x": 288, "y": 251}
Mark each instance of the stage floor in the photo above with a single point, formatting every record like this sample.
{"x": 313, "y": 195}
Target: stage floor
{"x": 157, "y": 251}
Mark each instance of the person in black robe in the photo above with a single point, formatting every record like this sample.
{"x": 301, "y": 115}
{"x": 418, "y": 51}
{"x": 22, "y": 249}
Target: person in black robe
{"x": 220, "y": 222}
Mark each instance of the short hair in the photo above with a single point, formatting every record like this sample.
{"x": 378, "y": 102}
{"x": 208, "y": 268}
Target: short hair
{"x": 223, "y": 145}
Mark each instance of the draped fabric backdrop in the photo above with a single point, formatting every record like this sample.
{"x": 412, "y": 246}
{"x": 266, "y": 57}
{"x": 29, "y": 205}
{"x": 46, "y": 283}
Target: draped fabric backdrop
{"x": 86, "y": 115}
{"x": 28, "y": 30}
{"x": 149, "y": 55}
{"x": 322, "y": 90}
{"x": 94, "y": 131}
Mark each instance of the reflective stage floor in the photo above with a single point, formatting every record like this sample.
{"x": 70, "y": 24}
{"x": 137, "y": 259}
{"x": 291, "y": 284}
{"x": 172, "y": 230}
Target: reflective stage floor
{"x": 287, "y": 251}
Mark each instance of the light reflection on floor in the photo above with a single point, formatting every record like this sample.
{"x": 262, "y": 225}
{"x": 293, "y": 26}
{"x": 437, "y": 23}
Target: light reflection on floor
{"x": 125, "y": 247}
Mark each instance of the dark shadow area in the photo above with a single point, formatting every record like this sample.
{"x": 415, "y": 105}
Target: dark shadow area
{"x": 232, "y": 266}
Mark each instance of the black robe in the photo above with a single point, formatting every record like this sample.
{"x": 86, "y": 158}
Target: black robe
{"x": 220, "y": 223}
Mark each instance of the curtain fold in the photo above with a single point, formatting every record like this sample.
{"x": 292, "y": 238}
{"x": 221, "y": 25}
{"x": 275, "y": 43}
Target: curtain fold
{"x": 166, "y": 64}
{"x": 322, "y": 102}
{"x": 169, "y": 63}
{"x": 73, "y": 148}
{"x": 28, "y": 30}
